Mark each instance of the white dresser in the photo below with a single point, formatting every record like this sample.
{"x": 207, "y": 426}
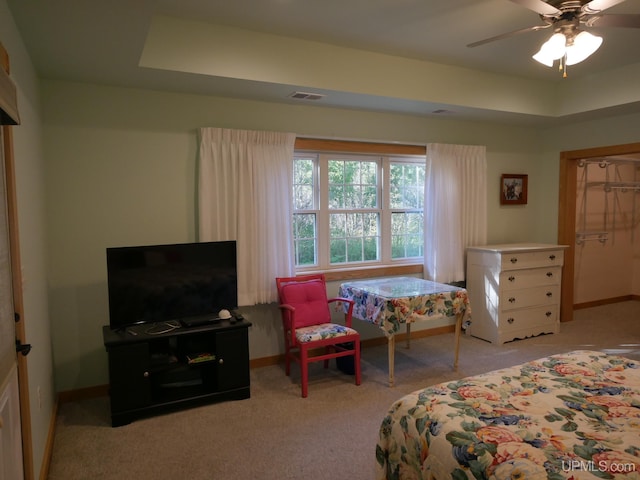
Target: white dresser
{"x": 514, "y": 290}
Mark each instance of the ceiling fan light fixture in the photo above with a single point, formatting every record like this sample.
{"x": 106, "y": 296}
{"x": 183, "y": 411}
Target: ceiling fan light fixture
{"x": 543, "y": 59}
{"x": 584, "y": 45}
{"x": 552, "y": 49}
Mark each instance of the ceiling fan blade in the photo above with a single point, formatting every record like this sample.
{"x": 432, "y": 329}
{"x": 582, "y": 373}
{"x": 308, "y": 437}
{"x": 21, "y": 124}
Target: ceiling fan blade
{"x": 630, "y": 20}
{"x": 508, "y": 34}
{"x": 595, "y": 6}
{"x": 540, "y": 7}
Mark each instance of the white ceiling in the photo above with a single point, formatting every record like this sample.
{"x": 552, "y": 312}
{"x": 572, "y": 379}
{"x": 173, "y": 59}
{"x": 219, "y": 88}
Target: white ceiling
{"x": 102, "y": 42}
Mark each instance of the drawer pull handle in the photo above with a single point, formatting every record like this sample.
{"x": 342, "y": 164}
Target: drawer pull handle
{"x": 549, "y": 274}
{"x": 221, "y": 361}
{"x": 552, "y": 257}
{"x": 510, "y": 320}
{"x": 145, "y": 374}
{"x": 548, "y": 314}
{"x": 514, "y": 260}
{"x": 512, "y": 278}
{"x": 512, "y": 299}
{"x": 549, "y": 294}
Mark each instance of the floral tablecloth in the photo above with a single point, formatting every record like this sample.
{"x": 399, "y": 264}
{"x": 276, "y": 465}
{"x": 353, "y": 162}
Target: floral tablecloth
{"x": 567, "y": 416}
{"x": 390, "y": 302}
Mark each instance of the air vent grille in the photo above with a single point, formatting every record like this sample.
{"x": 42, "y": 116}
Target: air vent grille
{"x": 306, "y": 96}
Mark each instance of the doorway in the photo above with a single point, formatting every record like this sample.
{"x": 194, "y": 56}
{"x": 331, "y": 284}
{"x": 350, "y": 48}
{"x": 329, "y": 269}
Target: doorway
{"x": 15, "y": 404}
{"x": 567, "y": 212}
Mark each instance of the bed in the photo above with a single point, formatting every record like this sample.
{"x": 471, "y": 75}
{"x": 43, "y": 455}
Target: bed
{"x": 567, "y": 416}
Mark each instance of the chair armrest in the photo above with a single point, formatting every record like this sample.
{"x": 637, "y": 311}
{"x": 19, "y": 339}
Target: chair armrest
{"x": 349, "y": 313}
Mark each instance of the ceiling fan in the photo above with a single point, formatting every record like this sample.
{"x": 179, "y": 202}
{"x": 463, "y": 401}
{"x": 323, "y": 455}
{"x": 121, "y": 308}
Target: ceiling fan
{"x": 570, "y": 42}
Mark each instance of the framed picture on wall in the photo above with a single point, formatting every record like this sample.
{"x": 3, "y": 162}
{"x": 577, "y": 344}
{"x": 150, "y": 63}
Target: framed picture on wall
{"x": 513, "y": 189}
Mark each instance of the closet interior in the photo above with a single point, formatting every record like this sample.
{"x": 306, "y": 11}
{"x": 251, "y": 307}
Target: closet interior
{"x": 607, "y": 251}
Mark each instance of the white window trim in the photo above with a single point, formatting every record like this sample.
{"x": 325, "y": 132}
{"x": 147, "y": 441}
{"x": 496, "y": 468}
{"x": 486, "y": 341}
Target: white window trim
{"x": 323, "y": 253}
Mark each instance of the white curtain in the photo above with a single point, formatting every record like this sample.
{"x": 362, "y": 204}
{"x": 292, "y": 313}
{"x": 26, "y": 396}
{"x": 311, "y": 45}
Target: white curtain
{"x": 455, "y": 208}
{"x": 244, "y": 189}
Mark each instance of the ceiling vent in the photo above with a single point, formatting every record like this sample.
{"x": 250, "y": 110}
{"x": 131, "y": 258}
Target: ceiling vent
{"x": 306, "y": 96}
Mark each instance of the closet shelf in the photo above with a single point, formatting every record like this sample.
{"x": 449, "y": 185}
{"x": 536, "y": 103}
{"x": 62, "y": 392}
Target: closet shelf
{"x": 604, "y": 162}
{"x": 623, "y": 186}
{"x": 616, "y": 179}
{"x": 585, "y": 236}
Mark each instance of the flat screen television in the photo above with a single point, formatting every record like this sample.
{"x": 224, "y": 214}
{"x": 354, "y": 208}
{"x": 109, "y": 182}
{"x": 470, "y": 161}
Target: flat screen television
{"x": 157, "y": 283}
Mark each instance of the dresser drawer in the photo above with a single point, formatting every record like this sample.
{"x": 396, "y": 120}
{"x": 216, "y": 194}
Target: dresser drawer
{"x": 528, "y": 319}
{"x": 516, "y": 279}
{"x": 516, "y": 260}
{"x": 530, "y": 297}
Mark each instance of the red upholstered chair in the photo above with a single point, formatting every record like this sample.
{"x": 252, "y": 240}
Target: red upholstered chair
{"x": 307, "y": 326}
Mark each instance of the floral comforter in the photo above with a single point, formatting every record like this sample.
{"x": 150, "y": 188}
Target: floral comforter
{"x": 567, "y": 416}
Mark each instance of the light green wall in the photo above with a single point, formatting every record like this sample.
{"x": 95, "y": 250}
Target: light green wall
{"x": 614, "y": 130}
{"x": 181, "y": 45}
{"x": 121, "y": 171}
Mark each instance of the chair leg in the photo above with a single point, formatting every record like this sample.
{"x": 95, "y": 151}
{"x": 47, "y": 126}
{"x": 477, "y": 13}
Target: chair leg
{"x": 287, "y": 356}
{"x": 287, "y": 364}
{"x": 356, "y": 360}
{"x": 304, "y": 370}
{"x": 327, "y": 350}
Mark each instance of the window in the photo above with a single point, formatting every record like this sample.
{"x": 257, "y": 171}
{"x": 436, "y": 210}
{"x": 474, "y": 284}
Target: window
{"x": 305, "y": 200}
{"x": 357, "y": 209}
{"x": 406, "y": 194}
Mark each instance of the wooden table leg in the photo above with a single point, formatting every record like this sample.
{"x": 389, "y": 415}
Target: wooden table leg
{"x": 457, "y": 339}
{"x": 391, "y": 352}
{"x": 408, "y": 335}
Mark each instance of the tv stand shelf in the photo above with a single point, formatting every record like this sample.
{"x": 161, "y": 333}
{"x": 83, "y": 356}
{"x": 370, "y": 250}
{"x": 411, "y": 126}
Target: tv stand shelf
{"x": 185, "y": 367}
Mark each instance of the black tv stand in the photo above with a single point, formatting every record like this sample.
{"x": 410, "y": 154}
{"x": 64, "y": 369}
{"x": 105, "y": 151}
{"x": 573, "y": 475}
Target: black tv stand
{"x": 184, "y": 367}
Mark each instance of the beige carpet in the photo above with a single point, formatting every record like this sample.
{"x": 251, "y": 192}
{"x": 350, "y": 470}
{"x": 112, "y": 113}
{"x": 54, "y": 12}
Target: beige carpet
{"x": 329, "y": 435}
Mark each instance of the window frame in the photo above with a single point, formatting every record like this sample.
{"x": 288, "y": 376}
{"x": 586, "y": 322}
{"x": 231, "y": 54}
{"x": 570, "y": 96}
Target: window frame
{"x": 388, "y": 210}
{"x": 324, "y": 240}
{"x": 385, "y": 154}
{"x": 315, "y": 210}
